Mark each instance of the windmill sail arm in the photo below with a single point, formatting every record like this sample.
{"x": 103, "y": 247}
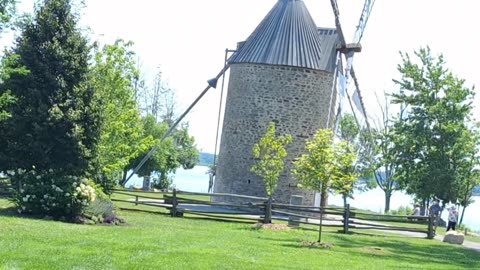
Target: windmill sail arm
{"x": 367, "y": 10}
{"x": 360, "y": 97}
{"x": 336, "y": 12}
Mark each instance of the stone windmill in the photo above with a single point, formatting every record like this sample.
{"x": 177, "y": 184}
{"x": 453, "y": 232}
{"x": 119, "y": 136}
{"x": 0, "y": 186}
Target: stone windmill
{"x": 282, "y": 73}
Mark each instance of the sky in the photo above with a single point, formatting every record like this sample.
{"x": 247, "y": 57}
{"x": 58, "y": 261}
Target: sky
{"x": 186, "y": 40}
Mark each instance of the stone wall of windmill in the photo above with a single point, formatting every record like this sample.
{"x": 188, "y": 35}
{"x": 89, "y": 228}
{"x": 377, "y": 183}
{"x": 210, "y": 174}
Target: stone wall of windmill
{"x": 296, "y": 99}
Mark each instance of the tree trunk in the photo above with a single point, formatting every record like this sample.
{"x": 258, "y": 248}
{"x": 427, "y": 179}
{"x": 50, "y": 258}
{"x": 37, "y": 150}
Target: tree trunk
{"x": 388, "y": 195}
{"x": 423, "y": 210}
{"x": 461, "y": 217}
{"x": 146, "y": 182}
{"x": 124, "y": 176}
{"x": 344, "y": 200}
{"x": 323, "y": 198}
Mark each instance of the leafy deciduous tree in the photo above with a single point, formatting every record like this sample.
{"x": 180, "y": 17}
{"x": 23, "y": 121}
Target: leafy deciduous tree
{"x": 384, "y": 156}
{"x": 270, "y": 153}
{"x": 113, "y": 76}
{"x": 361, "y": 143}
{"x": 344, "y": 175}
{"x": 175, "y": 151}
{"x": 7, "y": 11}
{"x": 315, "y": 168}
{"x": 433, "y": 140}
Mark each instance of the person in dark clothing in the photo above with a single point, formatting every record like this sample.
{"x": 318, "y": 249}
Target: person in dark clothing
{"x": 435, "y": 211}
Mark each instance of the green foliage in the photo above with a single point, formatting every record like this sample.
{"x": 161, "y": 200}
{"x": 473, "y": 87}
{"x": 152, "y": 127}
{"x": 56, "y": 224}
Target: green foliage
{"x": 315, "y": 168}
{"x": 349, "y": 130}
{"x": 436, "y": 146}
{"x": 162, "y": 183}
{"x": 114, "y": 73}
{"x": 270, "y": 154}
{"x": 361, "y": 144}
{"x": 54, "y": 123}
{"x": 51, "y": 193}
{"x": 328, "y": 165}
{"x": 7, "y": 12}
{"x": 188, "y": 155}
{"x": 344, "y": 176}
{"x": 101, "y": 207}
{"x": 384, "y": 155}
{"x": 5, "y": 100}
{"x": 177, "y": 150}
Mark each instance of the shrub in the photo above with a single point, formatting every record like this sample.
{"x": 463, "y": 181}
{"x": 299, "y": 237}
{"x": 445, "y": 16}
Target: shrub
{"x": 163, "y": 183}
{"x": 101, "y": 208}
{"x": 51, "y": 193}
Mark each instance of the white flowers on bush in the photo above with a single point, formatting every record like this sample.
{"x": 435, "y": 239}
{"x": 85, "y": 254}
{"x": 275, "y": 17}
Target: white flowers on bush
{"x": 47, "y": 192}
{"x": 85, "y": 191}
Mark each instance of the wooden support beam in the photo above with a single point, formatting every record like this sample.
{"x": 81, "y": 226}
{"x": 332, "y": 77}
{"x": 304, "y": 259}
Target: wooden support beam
{"x": 355, "y": 47}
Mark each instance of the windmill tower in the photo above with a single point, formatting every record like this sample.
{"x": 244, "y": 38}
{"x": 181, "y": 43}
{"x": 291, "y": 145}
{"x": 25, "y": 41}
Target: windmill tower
{"x": 284, "y": 73}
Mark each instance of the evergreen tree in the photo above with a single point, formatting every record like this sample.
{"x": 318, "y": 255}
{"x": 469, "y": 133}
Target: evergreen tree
{"x": 54, "y": 123}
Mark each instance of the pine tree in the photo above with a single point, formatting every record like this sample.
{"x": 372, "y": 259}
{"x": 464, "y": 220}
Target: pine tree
{"x": 55, "y": 122}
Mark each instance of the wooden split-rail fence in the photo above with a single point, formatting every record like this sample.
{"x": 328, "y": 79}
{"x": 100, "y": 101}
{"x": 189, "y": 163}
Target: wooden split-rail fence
{"x": 225, "y": 207}
{"x": 6, "y": 189}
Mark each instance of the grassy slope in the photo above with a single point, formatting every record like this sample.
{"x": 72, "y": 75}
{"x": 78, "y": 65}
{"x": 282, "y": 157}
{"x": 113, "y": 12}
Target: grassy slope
{"x": 158, "y": 242}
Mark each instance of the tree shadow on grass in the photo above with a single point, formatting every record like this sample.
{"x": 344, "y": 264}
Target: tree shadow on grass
{"x": 405, "y": 250}
{"x": 7, "y": 210}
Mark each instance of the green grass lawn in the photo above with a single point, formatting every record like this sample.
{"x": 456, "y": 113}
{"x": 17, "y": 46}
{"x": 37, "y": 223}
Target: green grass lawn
{"x": 151, "y": 241}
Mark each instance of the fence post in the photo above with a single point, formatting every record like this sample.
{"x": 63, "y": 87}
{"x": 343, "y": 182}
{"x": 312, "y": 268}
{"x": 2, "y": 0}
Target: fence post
{"x": 174, "y": 203}
{"x": 431, "y": 220}
{"x": 268, "y": 211}
{"x": 136, "y": 200}
{"x": 346, "y": 218}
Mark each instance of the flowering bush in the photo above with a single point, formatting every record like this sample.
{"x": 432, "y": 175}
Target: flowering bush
{"x": 51, "y": 193}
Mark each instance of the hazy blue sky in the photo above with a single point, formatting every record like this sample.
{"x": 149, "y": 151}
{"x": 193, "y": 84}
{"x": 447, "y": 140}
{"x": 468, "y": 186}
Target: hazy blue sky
{"x": 187, "y": 38}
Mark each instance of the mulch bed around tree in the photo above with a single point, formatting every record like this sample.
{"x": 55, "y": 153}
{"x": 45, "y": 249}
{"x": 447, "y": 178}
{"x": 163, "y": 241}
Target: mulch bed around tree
{"x": 316, "y": 244}
{"x": 271, "y": 226}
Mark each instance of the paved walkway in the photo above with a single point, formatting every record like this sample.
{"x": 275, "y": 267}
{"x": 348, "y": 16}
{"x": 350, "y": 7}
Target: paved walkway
{"x": 467, "y": 244}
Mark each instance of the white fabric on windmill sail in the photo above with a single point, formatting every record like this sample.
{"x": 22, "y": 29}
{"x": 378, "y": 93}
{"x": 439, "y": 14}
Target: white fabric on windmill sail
{"x": 356, "y": 100}
{"x": 358, "y": 115}
{"x": 367, "y": 9}
{"x": 341, "y": 86}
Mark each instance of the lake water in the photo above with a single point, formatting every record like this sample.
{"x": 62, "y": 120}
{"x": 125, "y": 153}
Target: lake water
{"x": 196, "y": 180}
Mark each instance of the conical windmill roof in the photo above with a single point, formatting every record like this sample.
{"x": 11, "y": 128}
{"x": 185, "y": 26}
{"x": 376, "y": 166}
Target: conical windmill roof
{"x": 286, "y": 36}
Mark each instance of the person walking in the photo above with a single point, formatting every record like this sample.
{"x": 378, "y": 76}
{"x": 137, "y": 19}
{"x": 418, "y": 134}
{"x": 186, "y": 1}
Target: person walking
{"x": 435, "y": 211}
{"x": 416, "y": 210}
{"x": 452, "y": 218}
